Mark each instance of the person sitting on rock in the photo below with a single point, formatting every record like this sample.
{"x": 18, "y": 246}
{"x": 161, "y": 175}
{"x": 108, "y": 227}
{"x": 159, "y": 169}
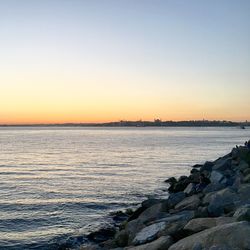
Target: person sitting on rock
{"x": 204, "y": 181}
{"x": 248, "y": 144}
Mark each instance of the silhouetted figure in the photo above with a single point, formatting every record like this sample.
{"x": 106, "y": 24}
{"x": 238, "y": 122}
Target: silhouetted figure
{"x": 248, "y": 144}
{"x": 204, "y": 181}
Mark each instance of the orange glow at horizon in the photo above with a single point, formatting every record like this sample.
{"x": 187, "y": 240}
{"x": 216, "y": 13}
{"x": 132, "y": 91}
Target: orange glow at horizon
{"x": 86, "y": 61}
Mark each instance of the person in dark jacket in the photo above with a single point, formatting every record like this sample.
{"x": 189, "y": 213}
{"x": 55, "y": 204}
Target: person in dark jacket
{"x": 204, "y": 181}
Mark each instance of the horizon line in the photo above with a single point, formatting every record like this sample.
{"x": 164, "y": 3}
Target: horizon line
{"x": 121, "y": 121}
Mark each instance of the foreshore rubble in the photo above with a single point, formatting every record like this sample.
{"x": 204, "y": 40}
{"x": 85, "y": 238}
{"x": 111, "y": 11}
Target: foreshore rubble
{"x": 209, "y": 209}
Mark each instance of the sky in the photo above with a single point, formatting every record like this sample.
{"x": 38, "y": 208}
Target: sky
{"x": 109, "y": 60}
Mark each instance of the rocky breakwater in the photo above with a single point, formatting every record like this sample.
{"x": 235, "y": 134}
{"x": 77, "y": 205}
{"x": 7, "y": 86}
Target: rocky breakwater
{"x": 209, "y": 209}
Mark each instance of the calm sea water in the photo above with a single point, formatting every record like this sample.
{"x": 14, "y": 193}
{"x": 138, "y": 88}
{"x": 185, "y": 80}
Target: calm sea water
{"x": 57, "y": 182}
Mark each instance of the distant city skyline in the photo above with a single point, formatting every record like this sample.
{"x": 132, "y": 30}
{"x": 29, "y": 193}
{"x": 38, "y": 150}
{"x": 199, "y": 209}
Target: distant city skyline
{"x": 101, "y": 61}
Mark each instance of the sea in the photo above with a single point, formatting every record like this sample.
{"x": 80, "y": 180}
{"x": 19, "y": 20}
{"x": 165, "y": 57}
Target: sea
{"x": 57, "y": 184}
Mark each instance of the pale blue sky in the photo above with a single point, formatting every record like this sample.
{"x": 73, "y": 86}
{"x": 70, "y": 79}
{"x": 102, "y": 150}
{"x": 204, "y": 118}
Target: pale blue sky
{"x": 191, "y": 59}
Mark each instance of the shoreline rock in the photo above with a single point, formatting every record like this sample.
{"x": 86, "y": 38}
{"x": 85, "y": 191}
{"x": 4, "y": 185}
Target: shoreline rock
{"x": 209, "y": 209}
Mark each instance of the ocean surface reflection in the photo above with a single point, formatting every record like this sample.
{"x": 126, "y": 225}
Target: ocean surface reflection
{"x": 57, "y": 182}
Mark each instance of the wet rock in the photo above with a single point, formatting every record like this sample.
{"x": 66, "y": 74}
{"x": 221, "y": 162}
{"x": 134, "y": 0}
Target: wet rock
{"x": 207, "y": 198}
{"x": 234, "y": 235}
{"x": 212, "y": 187}
{"x": 222, "y": 164}
{"x": 102, "y": 234}
{"x": 165, "y": 226}
{"x": 227, "y": 156}
{"x": 224, "y": 220}
{"x": 207, "y": 166}
{"x": 247, "y": 178}
{"x": 87, "y": 247}
{"x": 132, "y": 228}
{"x": 194, "y": 178}
{"x": 149, "y": 233}
{"x": 238, "y": 179}
{"x": 221, "y": 247}
{"x": 152, "y": 213}
{"x": 175, "y": 230}
{"x": 194, "y": 171}
{"x": 201, "y": 212}
{"x": 242, "y": 213}
{"x": 179, "y": 186}
{"x": 175, "y": 198}
{"x": 228, "y": 192}
{"x": 189, "y": 189}
{"x": 242, "y": 166}
{"x": 121, "y": 238}
{"x": 137, "y": 213}
{"x": 144, "y": 206}
{"x": 162, "y": 243}
{"x": 150, "y": 202}
{"x": 200, "y": 224}
{"x": 243, "y": 193}
{"x": 216, "y": 177}
{"x": 246, "y": 171}
{"x": 175, "y": 224}
{"x": 182, "y": 178}
{"x": 197, "y": 166}
{"x": 189, "y": 203}
{"x": 235, "y": 153}
{"x": 119, "y": 216}
{"x": 228, "y": 173}
{"x": 244, "y": 154}
{"x": 109, "y": 244}
{"x": 171, "y": 180}
{"x": 222, "y": 202}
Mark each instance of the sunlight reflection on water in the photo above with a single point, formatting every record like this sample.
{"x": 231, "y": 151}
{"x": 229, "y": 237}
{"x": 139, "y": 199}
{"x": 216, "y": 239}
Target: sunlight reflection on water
{"x": 55, "y": 181}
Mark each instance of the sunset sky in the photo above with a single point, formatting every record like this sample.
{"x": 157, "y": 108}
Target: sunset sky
{"x": 107, "y": 60}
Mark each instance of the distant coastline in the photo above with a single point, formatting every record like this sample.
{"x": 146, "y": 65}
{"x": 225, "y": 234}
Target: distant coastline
{"x": 155, "y": 123}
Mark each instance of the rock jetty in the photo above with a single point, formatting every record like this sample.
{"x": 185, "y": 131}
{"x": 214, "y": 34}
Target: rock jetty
{"x": 209, "y": 209}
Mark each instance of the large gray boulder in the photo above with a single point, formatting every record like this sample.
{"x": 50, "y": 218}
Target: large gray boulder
{"x": 216, "y": 177}
{"x": 243, "y": 193}
{"x": 234, "y": 235}
{"x": 165, "y": 226}
{"x": 242, "y": 166}
{"x": 185, "y": 215}
{"x": 222, "y": 202}
{"x": 199, "y": 224}
{"x": 221, "y": 247}
{"x": 149, "y": 233}
{"x": 189, "y": 189}
{"x": 150, "y": 214}
{"x": 222, "y": 164}
{"x": 242, "y": 213}
{"x": 246, "y": 171}
{"x": 145, "y": 205}
{"x": 207, "y": 167}
{"x": 247, "y": 178}
{"x": 189, "y": 203}
{"x": 162, "y": 243}
{"x": 213, "y": 187}
{"x": 150, "y": 202}
{"x": 208, "y": 197}
{"x": 121, "y": 238}
{"x": 175, "y": 198}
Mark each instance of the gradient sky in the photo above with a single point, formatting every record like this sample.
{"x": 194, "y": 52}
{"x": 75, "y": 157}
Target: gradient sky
{"x": 96, "y": 61}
